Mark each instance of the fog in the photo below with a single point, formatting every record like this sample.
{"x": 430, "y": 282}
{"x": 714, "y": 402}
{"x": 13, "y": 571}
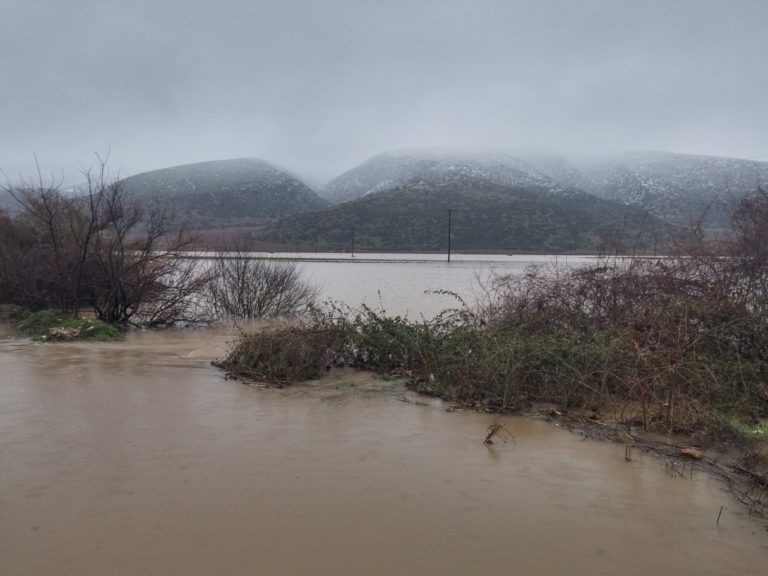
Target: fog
{"x": 318, "y": 86}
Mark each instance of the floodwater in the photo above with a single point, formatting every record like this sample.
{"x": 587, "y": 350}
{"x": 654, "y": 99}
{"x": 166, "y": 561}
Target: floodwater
{"x": 406, "y": 284}
{"x": 137, "y": 457}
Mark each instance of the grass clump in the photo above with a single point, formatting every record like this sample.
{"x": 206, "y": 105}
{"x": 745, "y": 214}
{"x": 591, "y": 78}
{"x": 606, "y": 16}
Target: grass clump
{"x": 53, "y": 325}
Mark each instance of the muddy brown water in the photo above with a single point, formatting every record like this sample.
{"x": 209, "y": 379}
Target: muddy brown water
{"x": 137, "y": 457}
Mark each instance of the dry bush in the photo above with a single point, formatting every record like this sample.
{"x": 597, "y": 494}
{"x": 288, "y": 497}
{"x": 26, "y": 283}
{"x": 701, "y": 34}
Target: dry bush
{"x": 246, "y": 287}
{"x": 679, "y": 337}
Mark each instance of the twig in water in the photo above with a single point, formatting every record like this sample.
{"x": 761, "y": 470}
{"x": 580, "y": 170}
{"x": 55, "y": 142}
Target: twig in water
{"x": 497, "y": 429}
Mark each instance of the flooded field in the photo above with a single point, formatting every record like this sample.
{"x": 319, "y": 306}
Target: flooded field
{"x": 137, "y": 457}
{"x": 405, "y": 283}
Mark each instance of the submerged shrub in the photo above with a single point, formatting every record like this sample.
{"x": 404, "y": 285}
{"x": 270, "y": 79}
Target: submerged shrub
{"x": 286, "y": 355}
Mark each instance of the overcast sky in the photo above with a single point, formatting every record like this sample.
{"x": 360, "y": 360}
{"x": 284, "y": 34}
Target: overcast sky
{"x": 318, "y": 86}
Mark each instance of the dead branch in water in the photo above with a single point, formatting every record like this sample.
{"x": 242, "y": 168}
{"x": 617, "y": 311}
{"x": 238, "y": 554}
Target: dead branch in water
{"x": 497, "y": 430}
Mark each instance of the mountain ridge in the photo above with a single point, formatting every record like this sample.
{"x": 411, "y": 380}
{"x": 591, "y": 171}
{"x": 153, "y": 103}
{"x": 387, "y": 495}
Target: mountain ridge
{"x": 488, "y": 216}
{"x": 397, "y": 168}
{"x": 678, "y": 188}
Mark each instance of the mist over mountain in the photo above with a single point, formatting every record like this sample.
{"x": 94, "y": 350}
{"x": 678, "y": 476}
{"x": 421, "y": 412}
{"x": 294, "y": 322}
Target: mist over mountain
{"x": 224, "y": 193}
{"x": 679, "y": 188}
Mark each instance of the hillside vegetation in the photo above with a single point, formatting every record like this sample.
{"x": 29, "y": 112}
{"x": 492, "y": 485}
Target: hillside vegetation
{"x": 488, "y": 216}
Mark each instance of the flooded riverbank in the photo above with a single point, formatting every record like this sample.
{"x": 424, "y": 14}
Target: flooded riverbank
{"x": 136, "y": 457}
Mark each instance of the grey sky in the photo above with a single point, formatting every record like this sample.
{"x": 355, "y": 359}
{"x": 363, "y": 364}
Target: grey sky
{"x": 317, "y": 86}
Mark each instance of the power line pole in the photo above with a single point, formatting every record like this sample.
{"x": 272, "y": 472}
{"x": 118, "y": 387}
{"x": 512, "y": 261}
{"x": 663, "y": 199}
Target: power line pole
{"x": 450, "y": 213}
{"x": 353, "y": 241}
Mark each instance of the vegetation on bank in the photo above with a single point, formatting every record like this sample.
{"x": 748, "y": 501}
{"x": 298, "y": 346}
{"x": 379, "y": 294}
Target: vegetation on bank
{"x": 673, "y": 344}
{"x": 53, "y": 325}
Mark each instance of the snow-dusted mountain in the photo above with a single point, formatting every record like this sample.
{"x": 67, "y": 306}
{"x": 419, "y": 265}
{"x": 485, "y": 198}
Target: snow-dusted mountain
{"x": 227, "y": 192}
{"x": 430, "y": 168}
{"x": 678, "y": 188}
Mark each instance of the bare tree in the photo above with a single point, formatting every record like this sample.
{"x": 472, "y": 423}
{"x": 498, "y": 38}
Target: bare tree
{"x": 100, "y": 249}
{"x": 140, "y": 274}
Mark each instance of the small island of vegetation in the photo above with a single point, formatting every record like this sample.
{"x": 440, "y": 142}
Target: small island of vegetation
{"x": 675, "y": 344}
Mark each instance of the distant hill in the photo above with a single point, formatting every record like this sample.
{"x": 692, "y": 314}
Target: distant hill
{"x": 433, "y": 167}
{"x": 489, "y": 216}
{"x": 678, "y": 188}
{"x": 226, "y": 193}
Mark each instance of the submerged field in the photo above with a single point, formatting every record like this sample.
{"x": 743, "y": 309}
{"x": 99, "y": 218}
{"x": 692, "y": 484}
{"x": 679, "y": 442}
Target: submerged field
{"x": 136, "y": 456}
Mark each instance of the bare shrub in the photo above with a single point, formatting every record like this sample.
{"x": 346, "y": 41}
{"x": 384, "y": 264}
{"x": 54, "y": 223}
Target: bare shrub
{"x": 245, "y": 287}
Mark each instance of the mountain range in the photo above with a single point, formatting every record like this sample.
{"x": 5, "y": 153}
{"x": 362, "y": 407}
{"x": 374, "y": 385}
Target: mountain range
{"x": 531, "y": 201}
{"x": 677, "y": 188}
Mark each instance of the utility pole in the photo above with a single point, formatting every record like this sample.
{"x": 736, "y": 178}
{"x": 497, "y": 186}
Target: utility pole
{"x": 353, "y": 241}
{"x": 450, "y": 213}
